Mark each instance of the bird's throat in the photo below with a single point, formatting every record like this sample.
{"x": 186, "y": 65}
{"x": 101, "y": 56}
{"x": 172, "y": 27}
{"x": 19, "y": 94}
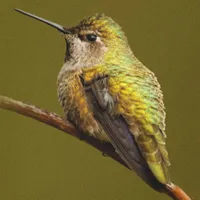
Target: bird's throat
{"x": 67, "y": 52}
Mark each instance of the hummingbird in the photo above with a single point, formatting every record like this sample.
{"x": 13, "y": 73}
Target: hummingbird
{"x": 107, "y": 93}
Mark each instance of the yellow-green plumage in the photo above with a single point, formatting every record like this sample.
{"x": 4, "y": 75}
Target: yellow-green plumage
{"x": 132, "y": 86}
{"x": 139, "y": 101}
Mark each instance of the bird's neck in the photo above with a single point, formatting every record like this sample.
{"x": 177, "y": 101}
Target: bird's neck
{"x": 120, "y": 56}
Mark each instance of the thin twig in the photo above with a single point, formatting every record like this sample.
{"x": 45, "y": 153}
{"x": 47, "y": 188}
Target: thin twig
{"x": 58, "y": 122}
{"x": 62, "y": 124}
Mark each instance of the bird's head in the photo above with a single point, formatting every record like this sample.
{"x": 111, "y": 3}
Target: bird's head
{"x": 95, "y": 40}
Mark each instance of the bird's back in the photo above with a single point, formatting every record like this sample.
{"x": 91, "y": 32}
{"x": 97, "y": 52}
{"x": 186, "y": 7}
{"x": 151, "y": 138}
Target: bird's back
{"x": 140, "y": 102}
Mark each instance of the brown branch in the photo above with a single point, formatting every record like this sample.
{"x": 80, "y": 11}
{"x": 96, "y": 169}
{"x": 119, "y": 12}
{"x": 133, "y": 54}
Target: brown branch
{"x": 62, "y": 124}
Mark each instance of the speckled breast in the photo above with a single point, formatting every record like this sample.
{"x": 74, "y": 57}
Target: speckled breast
{"x": 72, "y": 98}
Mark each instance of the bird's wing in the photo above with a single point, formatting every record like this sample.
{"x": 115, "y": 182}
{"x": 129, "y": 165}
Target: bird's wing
{"x": 135, "y": 152}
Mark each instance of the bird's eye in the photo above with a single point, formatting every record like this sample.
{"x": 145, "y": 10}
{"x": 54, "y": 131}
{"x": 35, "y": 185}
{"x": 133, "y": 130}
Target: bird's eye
{"x": 91, "y": 37}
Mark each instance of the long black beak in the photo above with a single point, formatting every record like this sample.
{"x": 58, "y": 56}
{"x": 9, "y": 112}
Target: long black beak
{"x": 52, "y": 24}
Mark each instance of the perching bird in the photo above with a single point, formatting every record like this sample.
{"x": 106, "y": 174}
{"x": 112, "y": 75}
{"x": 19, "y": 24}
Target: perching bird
{"x": 108, "y": 93}
{"x": 97, "y": 48}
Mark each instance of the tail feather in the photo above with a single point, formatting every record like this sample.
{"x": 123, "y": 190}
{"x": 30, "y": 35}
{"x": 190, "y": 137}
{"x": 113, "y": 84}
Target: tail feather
{"x": 155, "y": 155}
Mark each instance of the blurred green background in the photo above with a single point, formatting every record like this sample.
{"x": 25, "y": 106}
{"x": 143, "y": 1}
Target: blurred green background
{"x": 39, "y": 162}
